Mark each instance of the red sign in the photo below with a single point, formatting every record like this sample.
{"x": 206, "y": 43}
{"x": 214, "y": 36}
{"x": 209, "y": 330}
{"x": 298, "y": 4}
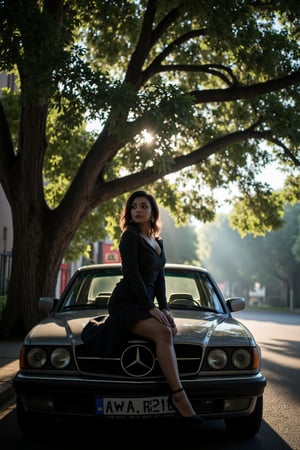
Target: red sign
{"x": 110, "y": 254}
{"x": 64, "y": 276}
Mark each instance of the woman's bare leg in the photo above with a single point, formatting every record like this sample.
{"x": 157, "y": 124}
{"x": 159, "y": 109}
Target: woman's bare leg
{"x": 162, "y": 336}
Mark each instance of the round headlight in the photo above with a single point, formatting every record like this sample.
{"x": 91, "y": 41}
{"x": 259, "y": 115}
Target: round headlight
{"x": 241, "y": 358}
{"x": 217, "y": 359}
{"x": 36, "y": 357}
{"x": 60, "y": 358}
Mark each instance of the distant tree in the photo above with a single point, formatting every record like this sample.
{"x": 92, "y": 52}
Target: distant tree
{"x": 216, "y": 85}
{"x": 267, "y": 260}
{"x": 180, "y": 242}
{"x": 226, "y": 255}
{"x": 280, "y": 258}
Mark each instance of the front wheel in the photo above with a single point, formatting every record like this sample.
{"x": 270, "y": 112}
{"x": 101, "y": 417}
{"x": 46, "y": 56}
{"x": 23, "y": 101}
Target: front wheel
{"x": 246, "y": 426}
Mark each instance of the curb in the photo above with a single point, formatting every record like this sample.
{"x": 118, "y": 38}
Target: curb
{"x": 9, "y": 366}
{"x": 7, "y": 394}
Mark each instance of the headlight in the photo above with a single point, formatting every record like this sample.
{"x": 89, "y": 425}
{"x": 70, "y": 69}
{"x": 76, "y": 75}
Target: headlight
{"x": 241, "y": 358}
{"x": 60, "y": 358}
{"x": 36, "y": 357}
{"x": 217, "y": 359}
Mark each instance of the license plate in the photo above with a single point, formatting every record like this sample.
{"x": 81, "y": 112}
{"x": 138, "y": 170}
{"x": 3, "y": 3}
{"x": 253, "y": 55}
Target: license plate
{"x": 110, "y": 406}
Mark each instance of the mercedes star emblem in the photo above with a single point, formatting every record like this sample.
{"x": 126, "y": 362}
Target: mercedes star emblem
{"x": 137, "y": 360}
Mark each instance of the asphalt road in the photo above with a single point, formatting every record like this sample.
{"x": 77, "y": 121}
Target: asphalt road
{"x": 278, "y": 336}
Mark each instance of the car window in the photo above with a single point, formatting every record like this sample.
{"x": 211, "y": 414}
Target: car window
{"x": 101, "y": 287}
{"x": 192, "y": 290}
{"x": 90, "y": 290}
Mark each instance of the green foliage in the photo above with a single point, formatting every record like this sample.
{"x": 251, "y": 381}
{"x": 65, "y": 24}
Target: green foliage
{"x": 258, "y": 213}
{"x": 102, "y": 221}
{"x": 165, "y": 67}
{"x": 11, "y": 105}
{"x": 2, "y": 304}
{"x": 291, "y": 192}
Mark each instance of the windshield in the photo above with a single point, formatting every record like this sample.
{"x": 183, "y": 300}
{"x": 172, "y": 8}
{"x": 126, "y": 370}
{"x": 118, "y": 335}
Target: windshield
{"x": 185, "y": 289}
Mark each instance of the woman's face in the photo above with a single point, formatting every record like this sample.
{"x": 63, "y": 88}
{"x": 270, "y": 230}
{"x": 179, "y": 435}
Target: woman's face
{"x": 141, "y": 211}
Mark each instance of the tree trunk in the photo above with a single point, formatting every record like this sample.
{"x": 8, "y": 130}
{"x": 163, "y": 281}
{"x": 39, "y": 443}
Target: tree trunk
{"x": 36, "y": 260}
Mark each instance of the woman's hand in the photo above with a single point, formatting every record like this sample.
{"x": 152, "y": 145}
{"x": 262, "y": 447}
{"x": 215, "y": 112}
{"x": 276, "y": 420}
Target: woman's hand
{"x": 165, "y": 318}
{"x": 171, "y": 322}
{"x": 159, "y": 315}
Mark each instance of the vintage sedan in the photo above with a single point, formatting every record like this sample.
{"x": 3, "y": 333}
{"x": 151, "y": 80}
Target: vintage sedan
{"x": 218, "y": 358}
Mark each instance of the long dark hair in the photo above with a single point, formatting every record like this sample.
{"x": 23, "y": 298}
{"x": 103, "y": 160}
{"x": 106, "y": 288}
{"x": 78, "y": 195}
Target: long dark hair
{"x": 126, "y": 221}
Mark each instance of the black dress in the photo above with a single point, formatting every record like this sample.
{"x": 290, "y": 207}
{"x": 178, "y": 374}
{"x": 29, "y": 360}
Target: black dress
{"x": 142, "y": 281}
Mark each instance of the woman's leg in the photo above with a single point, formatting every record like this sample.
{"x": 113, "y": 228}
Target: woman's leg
{"x": 162, "y": 336}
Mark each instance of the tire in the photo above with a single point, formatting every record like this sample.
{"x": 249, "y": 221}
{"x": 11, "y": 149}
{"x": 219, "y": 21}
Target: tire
{"x": 248, "y": 426}
{"x": 32, "y": 423}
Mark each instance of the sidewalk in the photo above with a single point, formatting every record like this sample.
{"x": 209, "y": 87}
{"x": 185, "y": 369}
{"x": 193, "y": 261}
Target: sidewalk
{"x": 9, "y": 365}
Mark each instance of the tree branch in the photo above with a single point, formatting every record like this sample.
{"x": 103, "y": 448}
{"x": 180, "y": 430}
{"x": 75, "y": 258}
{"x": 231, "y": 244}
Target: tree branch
{"x": 205, "y": 68}
{"x": 148, "y": 37}
{"x": 286, "y": 151}
{"x": 143, "y": 46}
{"x": 108, "y": 190}
{"x": 242, "y": 92}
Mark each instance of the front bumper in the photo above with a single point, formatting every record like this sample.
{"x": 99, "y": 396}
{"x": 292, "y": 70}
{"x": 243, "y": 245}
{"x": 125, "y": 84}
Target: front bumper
{"x": 214, "y": 398}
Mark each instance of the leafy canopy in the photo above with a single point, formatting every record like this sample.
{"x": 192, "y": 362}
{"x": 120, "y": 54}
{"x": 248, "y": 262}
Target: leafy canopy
{"x": 216, "y": 84}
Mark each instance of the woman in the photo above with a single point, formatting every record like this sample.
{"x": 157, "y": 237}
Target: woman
{"x": 131, "y": 306}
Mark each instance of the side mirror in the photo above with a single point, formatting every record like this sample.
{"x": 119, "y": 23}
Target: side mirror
{"x": 236, "y": 303}
{"x": 47, "y": 304}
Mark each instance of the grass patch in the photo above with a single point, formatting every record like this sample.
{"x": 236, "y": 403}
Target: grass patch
{"x": 2, "y": 304}
{"x": 268, "y": 308}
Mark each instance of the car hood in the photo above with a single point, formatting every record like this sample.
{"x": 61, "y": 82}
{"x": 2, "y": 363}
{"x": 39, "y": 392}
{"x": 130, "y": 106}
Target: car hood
{"x": 206, "y": 328}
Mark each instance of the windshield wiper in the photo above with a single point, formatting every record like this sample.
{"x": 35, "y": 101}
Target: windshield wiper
{"x": 84, "y": 306}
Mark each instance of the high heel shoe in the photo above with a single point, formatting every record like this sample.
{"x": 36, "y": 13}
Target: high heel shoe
{"x": 194, "y": 419}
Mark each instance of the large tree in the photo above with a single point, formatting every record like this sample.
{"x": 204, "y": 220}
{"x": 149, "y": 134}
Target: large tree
{"x": 216, "y": 84}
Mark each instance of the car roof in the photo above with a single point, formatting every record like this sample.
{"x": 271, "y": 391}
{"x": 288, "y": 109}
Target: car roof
{"x": 168, "y": 266}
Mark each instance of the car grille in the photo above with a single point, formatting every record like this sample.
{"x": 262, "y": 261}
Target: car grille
{"x": 137, "y": 360}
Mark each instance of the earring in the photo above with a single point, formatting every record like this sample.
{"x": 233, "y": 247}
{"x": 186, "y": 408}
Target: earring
{"x": 152, "y": 220}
